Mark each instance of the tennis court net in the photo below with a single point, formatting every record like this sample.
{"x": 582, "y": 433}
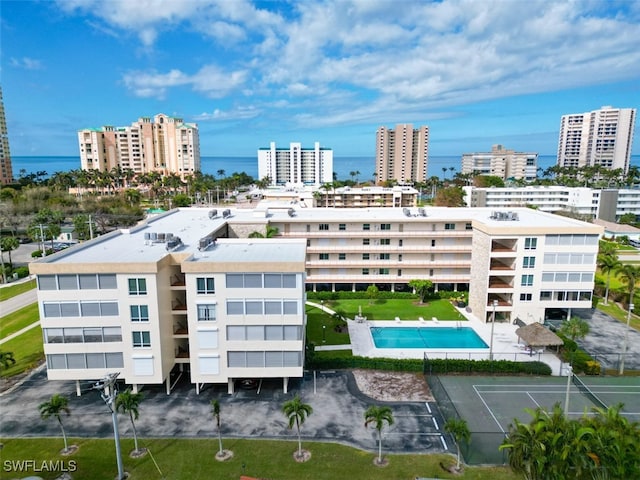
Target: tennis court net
{"x": 586, "y": 391}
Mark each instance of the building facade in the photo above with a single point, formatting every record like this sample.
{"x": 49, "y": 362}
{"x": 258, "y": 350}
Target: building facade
{"x": 502, "y": 163}
{"x": 402, "y": 154}
{"x": 296, "y": 166}
{"x": 6, "y": 172}
{"x": 602, "y": 137}
{"x": 207, "y": 301}
{"x": 607, "y": 204}
{"x": 163, "y": 144}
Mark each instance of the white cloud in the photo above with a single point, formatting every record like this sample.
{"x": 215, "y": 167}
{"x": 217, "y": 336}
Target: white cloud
{"x": 240, "y": 113}
{"x": 26, "y": 63}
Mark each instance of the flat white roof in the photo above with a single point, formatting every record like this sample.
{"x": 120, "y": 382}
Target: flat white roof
{"x": 193, "y": 224}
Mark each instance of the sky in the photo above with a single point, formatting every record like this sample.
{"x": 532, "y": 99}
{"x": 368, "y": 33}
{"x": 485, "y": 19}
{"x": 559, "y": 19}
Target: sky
{"x": 478, "y": 72}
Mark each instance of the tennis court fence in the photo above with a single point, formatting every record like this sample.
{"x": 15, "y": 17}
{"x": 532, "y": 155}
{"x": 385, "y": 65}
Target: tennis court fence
{"x": 483, "y": 447}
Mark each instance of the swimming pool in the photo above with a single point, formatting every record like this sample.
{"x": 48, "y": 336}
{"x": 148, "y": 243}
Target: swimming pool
{"x": 426, "y": 337}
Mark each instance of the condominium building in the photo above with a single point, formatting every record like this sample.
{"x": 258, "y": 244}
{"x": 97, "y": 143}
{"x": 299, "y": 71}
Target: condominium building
{"x": 402, "y": 153}
{"x": 296, "y": 166}
{"x": 342, "y": 197}
{"x": 165, "y": 145}
{"x": 188, "y": 292}
{"x": 6, "y": 173}
{"x": 607, "y": 204}
{"x": 602, "y": 137}
{"x": 501, "y": 162}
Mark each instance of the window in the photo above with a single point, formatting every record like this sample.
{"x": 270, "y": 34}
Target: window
{"x": 324, "y": 256}
{"x": 467, "y": 226}
{"x": 399, "y": 272}
{"x": 342, "y": 226}
{"x": 384, "y": 256}
{"x": 253, "y": 307}
{"x": 385, "y": 241}
{"x": 366, "y": 226}
{"x": 253, "y": 280}
{"x": 137, "y": 286}
{"x": 67, "y": 282}
{"x": 88, "y": 282}
{"x": 139, "y": 313}
{"x": 141, "y": 339}
{"x": 530, "y": 243}
{"x": 47, "y": 282}
{"x": 235, "y": 280}
{"x": 433, "y": 243}
{"x": 273, "y": 307}
{"x": 383, "y": 271}
{"x": 449, "y": 226}
{"x": 235, "y": 307}
{"x": 207, "y": 313}
{"x": 525, "y": 297}
{"x": 527, "y": 280}
{"x": 107, "y": 281}
{"x": 385, "y": 226}
{"x": 342, "y": 256}
{"x": 545, "y": 295}
{"x": 365, "y": 271}
{"x": 365, "y": 256}
{"x": 205, "y": 285}
{"x": 323, "y": 226}
{"x": 529, "y": 262}
{"x": 365, "y": 241}
{"x": 400, "y": 242}
{"x": 290, "y": 307}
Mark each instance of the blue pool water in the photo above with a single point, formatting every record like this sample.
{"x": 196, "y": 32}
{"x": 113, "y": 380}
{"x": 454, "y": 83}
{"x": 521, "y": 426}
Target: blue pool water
{"x": 426, "y": 337}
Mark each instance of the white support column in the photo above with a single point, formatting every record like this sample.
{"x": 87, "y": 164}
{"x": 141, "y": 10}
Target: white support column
{"x": 197, "y": 388}
{"x": 285, "y": 384}
{"x": 78, "y": 391}
{"x": 230, "y": 386}
{"x": 168, "y": 384}
{"x": 134, "y": 388}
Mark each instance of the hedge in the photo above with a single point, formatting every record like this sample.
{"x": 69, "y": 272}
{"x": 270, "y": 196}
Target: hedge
{"x": 435, "y": 366}
{"x": 347, "y": 295}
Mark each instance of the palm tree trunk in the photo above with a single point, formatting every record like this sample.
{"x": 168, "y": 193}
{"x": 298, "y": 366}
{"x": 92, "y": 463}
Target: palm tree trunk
{"x": 606, "y": 294}
{"x": 299, "y": 439}
{"x": 458, "y": 459}
{"x": 220, "y": 440}
{"x": 64, "y": 435}
{"x": 135, "y": 434}
{"x": 379, "y": 446}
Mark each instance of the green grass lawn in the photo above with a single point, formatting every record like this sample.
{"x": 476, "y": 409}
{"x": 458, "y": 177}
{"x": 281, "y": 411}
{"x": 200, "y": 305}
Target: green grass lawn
{"x": 19, "y": 319}
{"x": 194, "y": 459}
{"x": 27, "y": 350}
{"x": 316, "y": 319}
{"x": 618, "y": 313}
{"x": 389, "y": 309}
{"x": 17, "y": 289}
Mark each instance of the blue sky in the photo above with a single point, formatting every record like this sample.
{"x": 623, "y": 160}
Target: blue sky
{"x": 248, "y": 73}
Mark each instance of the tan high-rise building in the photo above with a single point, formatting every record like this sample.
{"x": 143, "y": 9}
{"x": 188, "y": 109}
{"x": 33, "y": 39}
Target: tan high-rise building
{"x": 402, "y": 153}
{"x": 602, "y": 137}
{"x": 501, "y": 162}
{"x": 164, "y": 144}
{"x": 6, "y": 173}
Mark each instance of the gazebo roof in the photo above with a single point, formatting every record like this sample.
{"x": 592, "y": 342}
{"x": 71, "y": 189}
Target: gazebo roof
{"x": 536, "y": 335}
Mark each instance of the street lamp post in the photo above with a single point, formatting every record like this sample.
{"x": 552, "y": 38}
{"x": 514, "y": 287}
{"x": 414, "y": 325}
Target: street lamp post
{"x": 566, "y": 395}
{"x": 324, "y": 333}
{"x": 626, "y": 339}
{"x": 493, "y": 322}
{"x": 108, "y": 393}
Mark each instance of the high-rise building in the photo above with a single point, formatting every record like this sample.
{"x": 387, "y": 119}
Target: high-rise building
{"x": 164, "y": 144}
{"x": 402, "y": 153}
{"x": 602, "y": 137}
{"x": 502, "y": 163}
{"x": 6, "y": 173}
{"x": 296, "y": 165}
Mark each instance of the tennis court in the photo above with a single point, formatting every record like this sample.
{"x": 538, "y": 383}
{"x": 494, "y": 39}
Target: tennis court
{"x": 490, "y": 404}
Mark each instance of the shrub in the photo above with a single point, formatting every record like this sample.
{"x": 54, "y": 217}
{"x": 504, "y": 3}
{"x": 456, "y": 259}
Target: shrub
{"x": 22, "y": 272}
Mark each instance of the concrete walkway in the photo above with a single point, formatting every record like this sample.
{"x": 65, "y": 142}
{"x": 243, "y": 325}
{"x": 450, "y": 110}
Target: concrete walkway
{"x": 19, "y": 301}
{"x": 19, "y": 332}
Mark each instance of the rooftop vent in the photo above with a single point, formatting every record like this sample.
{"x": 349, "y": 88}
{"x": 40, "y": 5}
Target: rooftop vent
{"x": 213, "y": 213}
{"x": 206, "y": 242}
{"x": 291, "y": 212}
{"x": 173, "y": 243}
{"x": 406, "y": 212}
{"x": 422, "y": 212}
{"x": 504, "y": 216}
{"x": 226, "y": 213}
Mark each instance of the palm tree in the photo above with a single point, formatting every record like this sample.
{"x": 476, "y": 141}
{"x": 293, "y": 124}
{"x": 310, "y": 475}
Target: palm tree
{"x": 6, "y": 360}
{"x": 297, "y": 412}
{"x": 608, "y": 264}
{"x": 270, "y": 232}
{"x": 128, "y": 402}
{"x": 444, "y": 173}
{"x": 378, "y": 416}
{"x": 9, "y": 244}
{"x": 221, "y": 173}
{"x": 459, "y": 430}
{"x": 575, "y": 328}
{"x": 215, "y": 410}
{"x": 630, "y": 274}
{"x": 55, "y": 407}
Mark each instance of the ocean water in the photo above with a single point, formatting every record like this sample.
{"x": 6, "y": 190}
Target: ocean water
{"x": 343, "y": 166}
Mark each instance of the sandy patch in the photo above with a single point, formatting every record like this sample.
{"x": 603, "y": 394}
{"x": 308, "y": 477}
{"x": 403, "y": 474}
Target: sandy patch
{"x": 393, "y": 386}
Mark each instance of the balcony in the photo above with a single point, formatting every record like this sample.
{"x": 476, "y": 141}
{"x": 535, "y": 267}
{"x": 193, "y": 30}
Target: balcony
{"x": 496, "y": 265}
{"x": 177, "y": 281}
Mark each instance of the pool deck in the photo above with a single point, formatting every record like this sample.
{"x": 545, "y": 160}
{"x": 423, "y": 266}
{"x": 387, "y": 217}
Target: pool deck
{"x": 505, "y": 342}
